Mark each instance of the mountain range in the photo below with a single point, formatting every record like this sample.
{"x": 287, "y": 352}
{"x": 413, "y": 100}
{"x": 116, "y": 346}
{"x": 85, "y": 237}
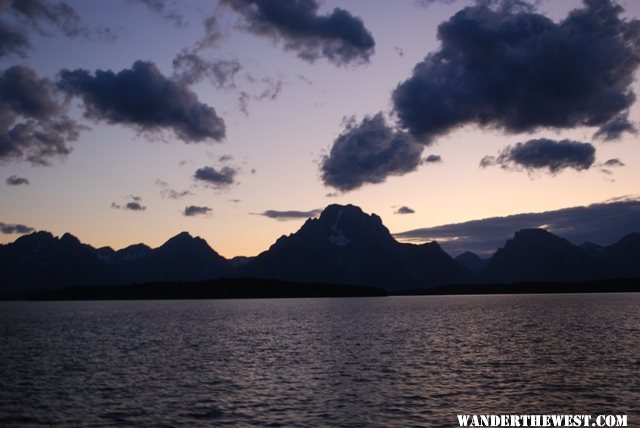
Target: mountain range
{"x": 343, "y": 245}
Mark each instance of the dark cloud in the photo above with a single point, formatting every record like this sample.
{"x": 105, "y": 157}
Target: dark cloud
{"x": 614, "y": 163}
{"x": 43, "y": 17}
{"x": 14, "y": 180}
{"x": 544, "y": 154}
{"x": 510, "y": 68}
{"x": 190, "y": 68}
{"x": 433, "y": 159}
{"x": 339, "y": 37}
{"x": 193, "y": 210}
{"x": 13, "y": 41}
{"x": 161, "y": 8}
{"x": 222, "y": 177}
{"x": 143, "y": 98}
{"x": 133, "y": 204}
{"x": 42, "y": 13}
{"x": 9, "y": 229}
{"x": 602, "y": 223}
{"x": 26, "y": 94}
{"x": 290, "y": 214}
{"x": 369, "y": 152}
{"x": 404, "y": 210}
{"x": 34, "y": 125}
{"x": 613, "y": 129}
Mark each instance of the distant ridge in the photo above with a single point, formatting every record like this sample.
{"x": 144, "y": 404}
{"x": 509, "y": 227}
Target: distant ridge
{"x": 538, "y": 255}
{"x": 343, "y": 245}
{"x": 40, "y": 261}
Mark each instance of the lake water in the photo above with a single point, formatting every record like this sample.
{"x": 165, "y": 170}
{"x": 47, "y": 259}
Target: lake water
{"x": 394, "y": 361}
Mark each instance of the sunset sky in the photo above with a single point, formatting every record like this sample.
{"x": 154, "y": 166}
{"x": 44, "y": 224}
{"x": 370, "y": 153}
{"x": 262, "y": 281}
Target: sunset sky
{"x": 128, "y": 121}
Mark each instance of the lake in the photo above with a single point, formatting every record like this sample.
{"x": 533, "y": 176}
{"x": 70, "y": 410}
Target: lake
{"x": 380, "y": 361}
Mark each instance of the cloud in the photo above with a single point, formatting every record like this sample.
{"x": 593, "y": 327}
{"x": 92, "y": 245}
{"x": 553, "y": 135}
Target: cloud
{"x": 544, "y": 154}
{"x": 141, "y": 97}
{"x": 174, "y": 194}
{"x": 404, "y": 210}
{"x": 290, "y": 214}
{"x": 510, "y": 68}
{"x": 271, "y": 89}
{"x": 134, "y": 204}
{"x": 614, "y": 163}
{"x": 433, "y": 159}
{"x": 339, "y": 37}
{"x": 9, "y": 229}
{"x": 193, "y": 210}
{"x": 58, "y": 15}
{"x": 34, "y": 125}
{"x": 160, "y": 8}
{"x": 42, "y": 17}
{"x": 601, "y": 223}
{"x": 13, "y": 41}
{"x": 212, "y": 33}
{"x": 219, "y": 178}
{"x": 369, "y": 152}
{"x": 427, "y": 3}
{"x": 26, "y": 94}
{"x": 14, "y": 180}
{"x": 190, "y": 68}
{"x": 613, "y": 129}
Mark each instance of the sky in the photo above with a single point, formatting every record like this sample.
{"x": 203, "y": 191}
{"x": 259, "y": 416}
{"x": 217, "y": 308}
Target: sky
{"x": 132, "y": 120}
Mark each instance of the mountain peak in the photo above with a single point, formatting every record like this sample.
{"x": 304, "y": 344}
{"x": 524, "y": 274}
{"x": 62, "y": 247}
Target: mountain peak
{"x": 183, "y": 236}
{"x": 539, "y": 255}
{"x": 533, "y": 233}
{"x": 331, "y": 211}
{"x": 344, "y": 223}
{"x": 69, "y": 239}
{"x": 631, "y": 238}
{"x": 182, "y": 239}
{"x": 346, "y": 245}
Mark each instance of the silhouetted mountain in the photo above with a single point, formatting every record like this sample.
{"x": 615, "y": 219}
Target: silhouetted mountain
{"x": 132, "y": 252}
{"x": 345, "y": 245}
{"x": 623, "y": 257}
{"x": 239, "y": 261}
{"x": 183, "y": 258}
{"x": 472, "y": 262}
{"x": 594, "y": 250}
{"x": 41, "y": 261}
{"x": 537, "y": 255}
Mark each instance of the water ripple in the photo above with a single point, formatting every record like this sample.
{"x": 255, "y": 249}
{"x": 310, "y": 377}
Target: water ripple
{"x": 405, "y": 361}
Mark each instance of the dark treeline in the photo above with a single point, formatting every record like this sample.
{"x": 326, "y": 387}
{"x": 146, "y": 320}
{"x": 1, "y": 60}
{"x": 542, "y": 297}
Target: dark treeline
{"x": 225, "y": 288}
{"x": 247, "y": 288}
{"x": 623, "y": 285}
